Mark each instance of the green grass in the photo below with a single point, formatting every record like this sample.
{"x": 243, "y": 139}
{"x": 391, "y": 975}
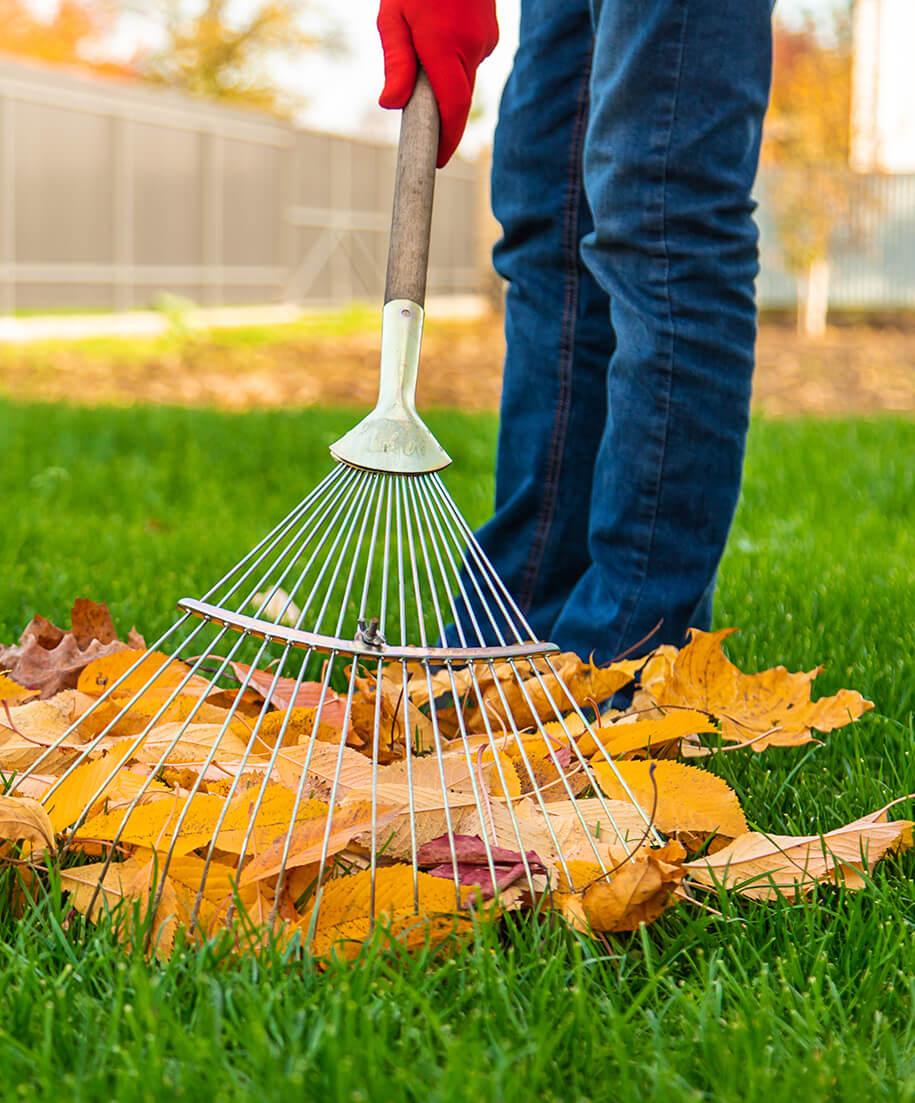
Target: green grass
{"x": 798, "y": 1002}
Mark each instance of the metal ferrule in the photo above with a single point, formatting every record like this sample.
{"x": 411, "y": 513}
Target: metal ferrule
{"x": 393, "y": 438}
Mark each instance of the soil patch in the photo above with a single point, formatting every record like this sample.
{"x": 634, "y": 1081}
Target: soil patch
{"x": 852, "y": 370}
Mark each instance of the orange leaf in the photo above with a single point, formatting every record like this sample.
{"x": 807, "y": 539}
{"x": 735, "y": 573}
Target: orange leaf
{"x": 637, "y": 892}
{"x": 646, "y": 733}
{"x": 749, "y": 705}
{"x": 168, "y": 673}
{"x": 689, "y": 799}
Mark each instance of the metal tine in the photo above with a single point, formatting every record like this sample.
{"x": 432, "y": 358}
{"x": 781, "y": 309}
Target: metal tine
{"x": 150, "y": 777}
{"x": 376, "y": 727}
{"x": 536, "y": 788}
{"x": 332, "y": 491}
{"x": 436, "y": 736}
{"x": 421, "y": 530}
{"x": 373, "y": 485}
{"x": 459, "y": 628}
{"x": 268, "y": 772}
{"x": 368, "y": 490}
{"x": 584, "y": 762}
{"x": 408, "y": 754}
{"x": 332, "y": 799}
{"x": 479, "y": 555}
{"x": 371, "y": 491}
{"x": 279, "y": 530}
{"x": 588, "y": 727}
{"x": 350, "y": 499}
{"x": 493, "y": 583}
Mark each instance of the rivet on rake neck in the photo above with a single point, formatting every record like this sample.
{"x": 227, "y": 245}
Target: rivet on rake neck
{"x": 393, "y": 438}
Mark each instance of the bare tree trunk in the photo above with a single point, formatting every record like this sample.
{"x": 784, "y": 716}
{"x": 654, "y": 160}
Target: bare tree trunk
{"x": 813, "y": 299}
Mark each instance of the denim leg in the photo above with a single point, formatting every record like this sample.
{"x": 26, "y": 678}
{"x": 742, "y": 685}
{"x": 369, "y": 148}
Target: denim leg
{"x": 678, "y": 93}
{"x": 557, "y": 323}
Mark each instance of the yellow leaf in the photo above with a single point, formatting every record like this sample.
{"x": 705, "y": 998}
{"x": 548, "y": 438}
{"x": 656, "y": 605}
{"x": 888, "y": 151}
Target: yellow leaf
{"x": 298, "y": 727}
{"x": 766, "y": 866}
{"x": 11, "y": 693}
{"x": 277, "y": 816}
{"x": 413, "y": 913}
{"x": 689, "y": 799}
{"x": 763, "y": 710}
{"x": 306, "y": 842}
{"x": 86, "y": 785}
{"x": 95, "y": 891}
{"x": 156, "y": 825}
{"x": 645, "y": 734}
{"x": 25, "y": 820}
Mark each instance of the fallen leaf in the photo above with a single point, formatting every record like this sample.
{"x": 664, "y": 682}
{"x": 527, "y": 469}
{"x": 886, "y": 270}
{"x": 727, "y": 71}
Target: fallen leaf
{"x": 771, "y": 709}
{"x": 48, "y": 659}
{"x": 96, "y": 891}
{"x": 414, "y": 913}
{"x": 11, "y": 693}
{"x": 470, "y": 863}
{"x": 648, "y": 734}
{"x": 311, "y": 838}
{"x": 182, "y": 824}
{"x": 288, "y": 692}
{"x": 766, "y": 866}
{"x": 83, "y": 788}
{"x": 637, "y": 892}
{"x": 689, "y": 799}
{"x": 23, "y": 819}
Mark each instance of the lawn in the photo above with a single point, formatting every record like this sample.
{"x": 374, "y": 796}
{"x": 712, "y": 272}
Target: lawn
{"x": 140, "y": 506}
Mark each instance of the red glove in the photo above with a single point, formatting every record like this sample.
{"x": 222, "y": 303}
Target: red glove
{"x": 450, "y": 38}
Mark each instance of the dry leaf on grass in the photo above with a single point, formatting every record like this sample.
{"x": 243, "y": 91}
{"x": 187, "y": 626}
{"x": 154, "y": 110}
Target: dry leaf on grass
{"x": 771, "y": 709}
{"x": 412, "y": 913}
{"x": 48, "y": 659}
{"x": 684, "y": 799}
{"x": 312, "y": 837}
{"x": 95, "y": 890}
{"x": 23, "y": 819}
{"x": 766, "y": 866}
{"x": 637, "y": 892}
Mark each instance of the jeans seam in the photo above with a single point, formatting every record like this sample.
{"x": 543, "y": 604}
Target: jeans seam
{"x": 566, "y": 352}
{"x": 656, "y": 489}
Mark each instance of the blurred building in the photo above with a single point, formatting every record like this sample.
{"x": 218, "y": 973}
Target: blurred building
{"x": 883, "y": 86}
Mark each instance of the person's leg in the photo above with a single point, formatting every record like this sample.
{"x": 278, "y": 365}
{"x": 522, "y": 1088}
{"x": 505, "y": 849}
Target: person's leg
{"x": 557, "y": 320}
{"x": 678, "y": 93}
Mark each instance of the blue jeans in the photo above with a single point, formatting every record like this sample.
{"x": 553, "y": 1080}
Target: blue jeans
{"x": 626, "y": 150}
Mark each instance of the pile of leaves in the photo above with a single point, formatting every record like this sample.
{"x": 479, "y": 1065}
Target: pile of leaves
{"x": 210, "y": 808}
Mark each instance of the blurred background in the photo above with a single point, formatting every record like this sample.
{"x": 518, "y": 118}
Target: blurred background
{"x": 230, "y": 155}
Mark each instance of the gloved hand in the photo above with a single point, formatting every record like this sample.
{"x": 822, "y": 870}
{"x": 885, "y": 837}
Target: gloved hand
{"x": 450, "y": 38}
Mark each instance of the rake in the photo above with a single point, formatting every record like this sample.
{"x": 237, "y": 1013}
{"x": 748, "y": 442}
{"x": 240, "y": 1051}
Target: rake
{"x": 373, "y": 652}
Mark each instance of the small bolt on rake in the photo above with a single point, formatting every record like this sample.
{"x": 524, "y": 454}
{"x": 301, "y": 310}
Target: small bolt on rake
{"x": 356, "y": 719}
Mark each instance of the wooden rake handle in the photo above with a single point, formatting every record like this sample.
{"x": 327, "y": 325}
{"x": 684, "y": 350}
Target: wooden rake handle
{"x": 408, "y": 252}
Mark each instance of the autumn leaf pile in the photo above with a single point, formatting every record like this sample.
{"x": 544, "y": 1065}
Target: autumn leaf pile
{"x": 210, "y": 807}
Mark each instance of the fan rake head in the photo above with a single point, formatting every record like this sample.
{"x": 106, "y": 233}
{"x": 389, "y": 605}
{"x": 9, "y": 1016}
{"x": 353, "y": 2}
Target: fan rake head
{"x": 358, "y": 704}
